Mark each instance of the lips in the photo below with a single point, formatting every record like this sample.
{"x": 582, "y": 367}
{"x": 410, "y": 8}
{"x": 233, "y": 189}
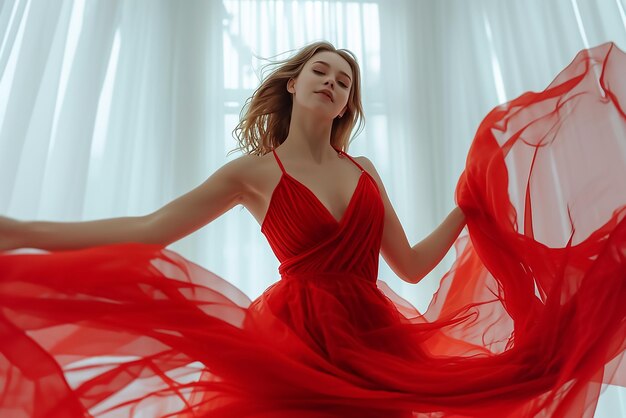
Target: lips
{"x": 327, "y": 93}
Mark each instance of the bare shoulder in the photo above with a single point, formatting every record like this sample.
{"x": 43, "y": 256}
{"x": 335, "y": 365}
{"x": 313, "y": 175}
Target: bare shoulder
{"x": 368, "y": 166}
{"x": 243, "y": 168}
{"x": 254, "y": 174}
{"x": 364, "y": 161}
{"x": 243, "y": 162}
{"x": 257, "y": 176}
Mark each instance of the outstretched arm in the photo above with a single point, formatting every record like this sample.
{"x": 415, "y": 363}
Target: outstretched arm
{"x": 184, "y": 215}
{"x": 412, "y": 264}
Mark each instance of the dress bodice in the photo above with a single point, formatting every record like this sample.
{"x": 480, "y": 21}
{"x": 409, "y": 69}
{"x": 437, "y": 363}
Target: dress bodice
{"x": 307, "y": 238}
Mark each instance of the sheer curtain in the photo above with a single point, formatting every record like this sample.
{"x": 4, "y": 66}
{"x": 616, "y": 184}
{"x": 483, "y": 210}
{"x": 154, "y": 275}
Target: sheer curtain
{"x": 112, "y": 108}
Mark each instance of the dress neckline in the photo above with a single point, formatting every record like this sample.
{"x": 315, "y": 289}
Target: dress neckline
{"x": 319, "y": 202}
{"x": 286, "y": 175}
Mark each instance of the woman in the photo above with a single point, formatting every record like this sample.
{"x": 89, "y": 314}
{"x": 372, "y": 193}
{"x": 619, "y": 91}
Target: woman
{"x": 328, "y": 339}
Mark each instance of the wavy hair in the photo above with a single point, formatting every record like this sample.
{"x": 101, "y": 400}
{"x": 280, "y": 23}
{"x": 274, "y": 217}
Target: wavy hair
{"x": 264, "y": 120}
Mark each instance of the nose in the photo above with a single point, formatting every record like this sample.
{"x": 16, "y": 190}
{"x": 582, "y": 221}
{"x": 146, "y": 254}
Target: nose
{"x": 331, "y": 83}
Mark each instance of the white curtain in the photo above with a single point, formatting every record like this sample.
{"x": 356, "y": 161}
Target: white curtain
{"x": 113, "y": 108}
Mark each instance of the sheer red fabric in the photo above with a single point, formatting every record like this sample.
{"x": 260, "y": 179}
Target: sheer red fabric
{"x": 530, "y": 320}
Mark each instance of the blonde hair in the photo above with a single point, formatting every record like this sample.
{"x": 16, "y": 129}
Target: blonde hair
{"x": 265, "y": 118}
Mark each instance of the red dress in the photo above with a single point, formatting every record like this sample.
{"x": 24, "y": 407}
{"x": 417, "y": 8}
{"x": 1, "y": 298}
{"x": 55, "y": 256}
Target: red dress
{"x": 530, "y": 321}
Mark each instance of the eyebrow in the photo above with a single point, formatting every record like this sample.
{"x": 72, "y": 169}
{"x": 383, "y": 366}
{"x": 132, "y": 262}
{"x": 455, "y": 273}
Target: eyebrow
{"x": 328, "y": 65}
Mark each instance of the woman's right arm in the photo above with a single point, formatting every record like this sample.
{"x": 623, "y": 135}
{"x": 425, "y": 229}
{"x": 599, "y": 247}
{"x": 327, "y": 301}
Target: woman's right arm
{"x": 220, "y": 192}
{"x": 68, "y": 235}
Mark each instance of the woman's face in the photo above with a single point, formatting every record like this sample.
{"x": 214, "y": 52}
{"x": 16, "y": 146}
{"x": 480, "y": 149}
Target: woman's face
{"x": 325, "y": 74}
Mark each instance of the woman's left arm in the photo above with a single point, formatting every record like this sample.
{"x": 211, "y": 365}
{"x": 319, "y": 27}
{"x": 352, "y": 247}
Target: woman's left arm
{"x": 412, "y": 264}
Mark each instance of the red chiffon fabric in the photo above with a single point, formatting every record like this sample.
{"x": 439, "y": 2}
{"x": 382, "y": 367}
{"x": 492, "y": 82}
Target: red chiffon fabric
{"x": 530, "y": 321}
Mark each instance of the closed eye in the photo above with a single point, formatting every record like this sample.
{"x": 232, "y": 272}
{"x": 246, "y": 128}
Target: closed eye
{"x": 341, "y": 82}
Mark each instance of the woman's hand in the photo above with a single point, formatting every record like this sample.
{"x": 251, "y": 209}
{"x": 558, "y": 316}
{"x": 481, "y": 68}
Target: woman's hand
{"x": 11, "y": 232}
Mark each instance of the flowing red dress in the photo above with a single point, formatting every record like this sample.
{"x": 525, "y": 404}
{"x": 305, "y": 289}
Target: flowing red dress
{"x": 530, "y": 320}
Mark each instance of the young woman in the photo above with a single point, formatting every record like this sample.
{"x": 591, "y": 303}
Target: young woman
{"x": 110, "y": 323}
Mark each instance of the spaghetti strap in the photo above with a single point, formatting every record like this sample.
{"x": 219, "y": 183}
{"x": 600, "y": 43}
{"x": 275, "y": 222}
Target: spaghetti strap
{"x": 351, "y": 159}
{"x": 278, "y": 161}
